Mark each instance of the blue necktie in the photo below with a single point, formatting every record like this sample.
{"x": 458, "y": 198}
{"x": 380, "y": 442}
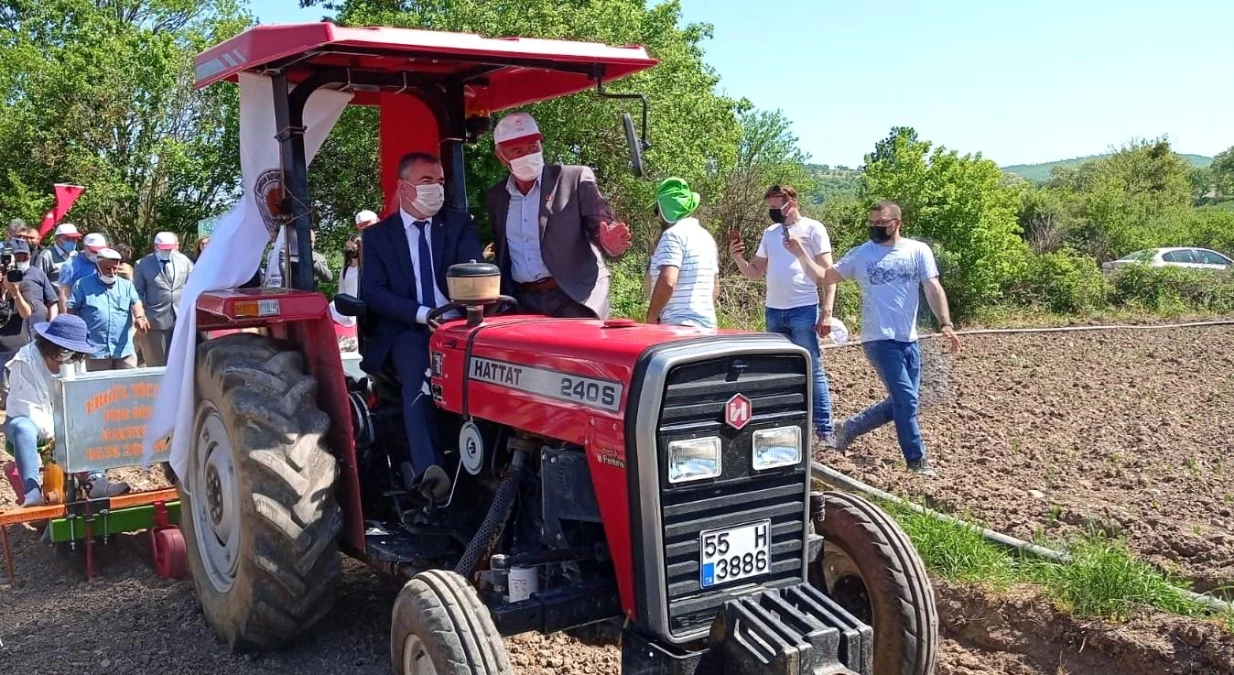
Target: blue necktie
{"x": 427, "y": 297}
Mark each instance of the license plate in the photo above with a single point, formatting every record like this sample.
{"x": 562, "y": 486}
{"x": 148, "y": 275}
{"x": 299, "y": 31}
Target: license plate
{"x": 734, "y": 553}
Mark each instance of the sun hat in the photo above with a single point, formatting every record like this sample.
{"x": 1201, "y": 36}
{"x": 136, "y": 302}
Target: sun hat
{"x": 20, "y": 246}
{"x": 365, "y": 216}
{"x": 675, "y": 199}
{"x": 68, "y": 331}
{"x": 110, "y": 254}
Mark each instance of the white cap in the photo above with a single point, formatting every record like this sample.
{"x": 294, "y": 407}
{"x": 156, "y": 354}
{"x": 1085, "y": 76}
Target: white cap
{"x": 516, "y": 126}
{"x": 365, "y": 216}
{"x": 166, "y": 241}
{"x": 67, "y": 230}
{"x": 94, "y": 240}
{"x": 109, "y": 254}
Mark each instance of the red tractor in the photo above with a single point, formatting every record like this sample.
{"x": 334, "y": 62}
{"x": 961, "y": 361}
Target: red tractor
{"x": 602, "y": 470}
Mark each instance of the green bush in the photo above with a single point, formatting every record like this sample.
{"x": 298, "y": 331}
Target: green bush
{"x": 1174, "y": 289}
{"x": 1064, "y": 282}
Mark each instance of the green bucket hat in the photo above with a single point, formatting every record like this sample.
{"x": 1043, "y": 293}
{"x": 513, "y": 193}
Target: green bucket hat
{"x": 675, "y": 199}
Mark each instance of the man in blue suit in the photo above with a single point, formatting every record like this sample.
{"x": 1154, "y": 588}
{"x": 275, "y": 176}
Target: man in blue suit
{"x": 404, "y": 278}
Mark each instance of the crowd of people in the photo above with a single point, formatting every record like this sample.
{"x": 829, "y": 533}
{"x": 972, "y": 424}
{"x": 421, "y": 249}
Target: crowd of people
{"x": 82, "y": 300}
{"x": 79, "y": 301}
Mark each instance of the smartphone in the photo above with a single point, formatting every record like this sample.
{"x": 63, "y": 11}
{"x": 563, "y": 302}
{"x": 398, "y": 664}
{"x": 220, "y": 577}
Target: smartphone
{"x": 734, "y": 236}
{"x": 784, "y": 232}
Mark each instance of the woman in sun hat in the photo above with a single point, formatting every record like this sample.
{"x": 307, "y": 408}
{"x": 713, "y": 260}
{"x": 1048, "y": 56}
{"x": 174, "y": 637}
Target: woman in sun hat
{"x": 62, "y": 340}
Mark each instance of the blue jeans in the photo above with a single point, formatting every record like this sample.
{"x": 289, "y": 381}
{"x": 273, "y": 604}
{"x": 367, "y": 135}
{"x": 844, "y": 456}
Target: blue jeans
{"x": 23, "y": 435}
{"x": 797, "y": 324}
{"x": 899, "y": 367}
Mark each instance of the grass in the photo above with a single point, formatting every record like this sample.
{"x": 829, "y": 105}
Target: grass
{"x": 1102, "y": 579}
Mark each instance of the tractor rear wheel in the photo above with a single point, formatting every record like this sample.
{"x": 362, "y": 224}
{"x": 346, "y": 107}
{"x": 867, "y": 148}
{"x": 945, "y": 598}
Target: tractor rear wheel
{"x": 870, "y": 568}
{"x": 440, "y": 627}
{"x": 260, "y": 517}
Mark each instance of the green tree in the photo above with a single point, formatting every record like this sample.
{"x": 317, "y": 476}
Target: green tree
{"x": 959, "y": 204}
{"x": 1138, "y": 197}
{"x": 100, "y": 94}
{"x": 1222, "y": 173}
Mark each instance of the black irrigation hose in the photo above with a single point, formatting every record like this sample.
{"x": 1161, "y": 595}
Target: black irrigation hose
{"x": 1063, "y": 329}
{"x": 838, "y": 480}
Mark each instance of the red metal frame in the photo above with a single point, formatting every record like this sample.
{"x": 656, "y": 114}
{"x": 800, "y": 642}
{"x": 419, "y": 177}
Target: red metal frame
{"x": 528, "y": 69}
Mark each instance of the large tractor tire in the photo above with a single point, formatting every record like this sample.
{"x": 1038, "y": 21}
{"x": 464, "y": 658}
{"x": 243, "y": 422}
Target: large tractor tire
{"x": 260, "y": 517}
{"x": 440, "y": 627}
{"x": 870, "y": 568}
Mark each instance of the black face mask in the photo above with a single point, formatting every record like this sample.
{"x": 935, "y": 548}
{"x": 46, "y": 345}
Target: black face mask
{"x": 879, "y": 235}
{"x": 777, "y": 215}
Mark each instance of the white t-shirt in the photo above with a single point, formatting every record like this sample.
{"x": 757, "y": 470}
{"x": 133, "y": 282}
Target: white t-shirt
{"x": 692, "y": 250}
{"x": 889, "y": 278}
{"x": 788, "y": 285}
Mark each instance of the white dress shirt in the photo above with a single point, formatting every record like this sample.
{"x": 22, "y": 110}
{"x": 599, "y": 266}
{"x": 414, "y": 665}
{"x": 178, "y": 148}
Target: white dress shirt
{"x": 413, "y": 243}
{"x": 30, "y": 389}
{"x": 523, "y": 234}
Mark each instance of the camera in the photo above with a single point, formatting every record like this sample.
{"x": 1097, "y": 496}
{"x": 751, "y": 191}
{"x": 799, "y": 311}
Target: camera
{"x": 11, "y": 273}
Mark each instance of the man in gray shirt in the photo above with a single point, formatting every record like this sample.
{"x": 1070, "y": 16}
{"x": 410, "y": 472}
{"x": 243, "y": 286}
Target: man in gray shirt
{"x": 159, "y": 279}
{"x": 889, "y": 269}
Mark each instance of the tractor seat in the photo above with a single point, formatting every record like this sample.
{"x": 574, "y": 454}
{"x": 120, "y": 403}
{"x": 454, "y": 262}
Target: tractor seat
{"x": 386, "y": 383}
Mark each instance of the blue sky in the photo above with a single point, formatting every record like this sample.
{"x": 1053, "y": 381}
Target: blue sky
{"x": 1020, "y": 82}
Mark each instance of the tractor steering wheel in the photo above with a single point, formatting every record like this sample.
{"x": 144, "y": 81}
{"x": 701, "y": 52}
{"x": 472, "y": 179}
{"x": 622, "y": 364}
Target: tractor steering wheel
{"x": 504, "y": 305}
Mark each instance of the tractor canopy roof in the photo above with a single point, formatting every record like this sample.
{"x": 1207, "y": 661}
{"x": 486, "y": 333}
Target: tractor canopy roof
{"x": 509, "y": 71}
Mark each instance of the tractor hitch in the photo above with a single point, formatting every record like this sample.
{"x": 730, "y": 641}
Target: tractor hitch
{"x": 796, "y": 630}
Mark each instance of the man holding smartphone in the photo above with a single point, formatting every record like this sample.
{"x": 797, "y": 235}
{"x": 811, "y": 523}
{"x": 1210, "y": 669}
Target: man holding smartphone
{"x": 792, "y": 306}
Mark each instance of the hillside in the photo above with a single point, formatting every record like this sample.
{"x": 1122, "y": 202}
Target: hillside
{"x": 832, "y": 181}
{"x": 1041, "y": 172}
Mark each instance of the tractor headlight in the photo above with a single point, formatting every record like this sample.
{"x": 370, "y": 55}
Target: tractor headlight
{"x": 774, "y": 448}
{"x": 693, "y": 459}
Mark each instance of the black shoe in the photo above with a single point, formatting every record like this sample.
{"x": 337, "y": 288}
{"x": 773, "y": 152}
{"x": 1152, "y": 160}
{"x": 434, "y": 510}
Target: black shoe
{"x": 435, "y": 483}
{"x": 922, "y": 467}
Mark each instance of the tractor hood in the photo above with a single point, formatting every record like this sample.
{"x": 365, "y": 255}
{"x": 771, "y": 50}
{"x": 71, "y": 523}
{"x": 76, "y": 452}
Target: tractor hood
{"x": 514, "y": 369}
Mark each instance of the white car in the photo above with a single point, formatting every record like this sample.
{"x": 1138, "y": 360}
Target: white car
{"x": 1196, "y": 258}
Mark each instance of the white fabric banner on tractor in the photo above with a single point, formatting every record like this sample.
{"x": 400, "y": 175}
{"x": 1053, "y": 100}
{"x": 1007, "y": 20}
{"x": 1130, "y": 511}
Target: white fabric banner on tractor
{"x": 234, "y": 253}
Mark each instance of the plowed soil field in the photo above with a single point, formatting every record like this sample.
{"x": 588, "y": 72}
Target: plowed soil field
{"x": 1044, "y": 435}
{"x": 1126, "y": 430}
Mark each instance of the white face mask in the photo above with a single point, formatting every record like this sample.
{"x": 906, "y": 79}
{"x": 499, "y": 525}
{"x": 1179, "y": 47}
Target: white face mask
{"x": 22, "y": 266}
{"x": 429, "y": 198}
{"x": 92, "y": 256}
{"x": 162, "y": 255}
{"x": 527, "y": 167}
{"x": 108, "y": 279}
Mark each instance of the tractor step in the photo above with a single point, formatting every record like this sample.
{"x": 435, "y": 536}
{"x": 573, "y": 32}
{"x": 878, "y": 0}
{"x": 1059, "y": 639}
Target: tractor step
{"x": 796, "y": 630}
{"x": 394, "y": 545}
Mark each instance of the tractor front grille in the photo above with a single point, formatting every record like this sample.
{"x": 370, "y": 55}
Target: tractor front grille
{"x": 694, "y": 403}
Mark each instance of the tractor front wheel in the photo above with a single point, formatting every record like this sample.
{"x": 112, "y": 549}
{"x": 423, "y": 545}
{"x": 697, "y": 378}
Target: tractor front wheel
{"x": 870, "y": 568}
{"x": 260, "y": 518}
{"x": 440, "y": 627}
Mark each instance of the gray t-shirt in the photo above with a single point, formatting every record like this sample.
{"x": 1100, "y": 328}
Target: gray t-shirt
{"x": 889, "y": 277}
